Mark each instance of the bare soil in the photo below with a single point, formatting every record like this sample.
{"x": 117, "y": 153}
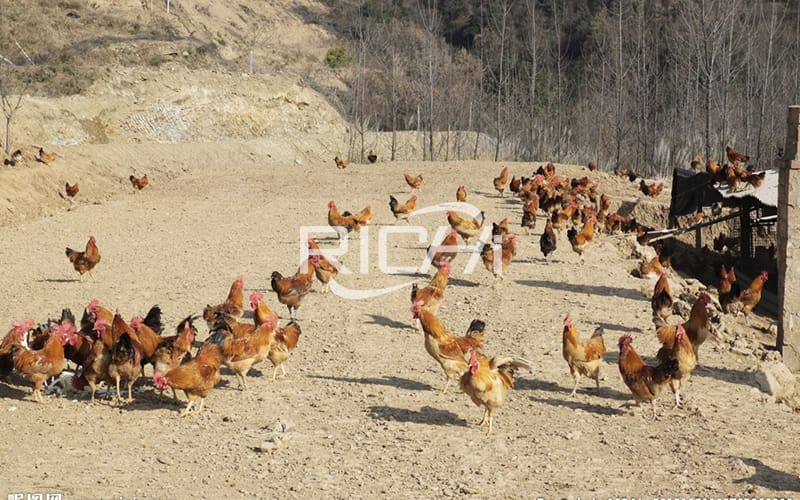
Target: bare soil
{"x": 360, "y": 413}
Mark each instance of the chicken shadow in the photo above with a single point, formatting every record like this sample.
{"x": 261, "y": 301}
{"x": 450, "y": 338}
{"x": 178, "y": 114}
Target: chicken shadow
{"x": 464, "y": 283}
{"x": 769, "y": 478}
{"x": 397, "y": 382}
{"x": 724, "y": 374}
{"x": 59, "y": 280}
{"x": 588, "y": 388}
{"x": 426, "y": 415}
{"x": 15, "y": 391}
{"x": 625, "y": 293}
{"x": 377, "y": 319}
{"x": 580, "y": 405}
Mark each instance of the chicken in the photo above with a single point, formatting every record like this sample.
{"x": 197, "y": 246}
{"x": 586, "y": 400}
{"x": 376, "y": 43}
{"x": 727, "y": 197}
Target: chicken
{"x": 285, "y": 341}
{"x": 292, "y": 290}
{"x": 645, "y": 382}
{"x": 651, "y": 189}
{"x": 461, "y": 194}
{"x": 71, "y": 190}
{"x": 675, "y": 344}
{"x": 197, "y": 376}
{"x": 233, "y": 305}
{"x": 126, "y": 362}
{"x": 633, "y": 174}
{"x": 414, "y": 182}
{"x": 371, "y": 156}
{"x": 583, "y": 358}
{"x": 341, "y": 164}
{"x": 735, "y": 156}
{"x": 501, "y": 181}
{"x": 662, "y": 301}
{"x": 548, "y": 240}
{"x": 324, "y": 269}
{"x": 621, "y": 172}
{"x": 91, "y": 314}
{"x": 364, "y": 217}
{"x": 466, "y": 228}
{"x": 698, "y": 326}
{"x": 140, "y": 182}
{"x": 445, "y": 251}
{"x": 449, "y": 351}
{"x": 19, "y": 330}
{"x": 508, "y": 250}
{"x": 579, "y": 240}
{"x": 45, "y": 156}
{"x": 431, "y": 296}
{"x": 729, "y": 291}
{"x": 37, "y": 366}
{"x": 261, "y": 312}
{"x": 342, "y": 223}
{"x": 755, "y": 180}
{"x": 751, "y": 296}
{"x": 732, "y": 178}
{"x": 515, "y": 184}
{"x": 696, "y": 163}
{"x": 592, "y": 166}
{"x": 85, "y": 262}
{"x": 95, "y": 369}
{"x": 715, "y": 170}
{"x": 240, "y": 354}
{"x": 487, "y": 381}
{"x": 650, "y": 268}
{"x": 147, "y": 332}
{"x": 402, "y": 211}
{"x": 175, "y": 349}
{"x": 529, "y": 210}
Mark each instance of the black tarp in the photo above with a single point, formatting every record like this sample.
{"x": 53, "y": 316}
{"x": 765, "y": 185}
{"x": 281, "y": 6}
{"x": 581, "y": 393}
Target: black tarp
{"x": 690, "y": 192}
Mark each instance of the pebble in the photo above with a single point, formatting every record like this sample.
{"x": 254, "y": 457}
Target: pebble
{"x": 165, "y": 460}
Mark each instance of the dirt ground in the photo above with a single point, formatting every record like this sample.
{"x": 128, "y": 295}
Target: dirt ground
{"x": 359, "y": 414}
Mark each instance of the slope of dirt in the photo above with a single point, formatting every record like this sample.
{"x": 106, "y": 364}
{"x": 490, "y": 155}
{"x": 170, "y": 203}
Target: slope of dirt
{"x": 360, "y": 413}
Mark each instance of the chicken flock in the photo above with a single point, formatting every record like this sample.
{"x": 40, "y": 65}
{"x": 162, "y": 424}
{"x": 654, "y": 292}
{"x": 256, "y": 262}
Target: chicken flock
{"x": 107, "y": 349}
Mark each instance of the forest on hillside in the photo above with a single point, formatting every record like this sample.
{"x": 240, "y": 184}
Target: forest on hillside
{"x": 629, "y": 83}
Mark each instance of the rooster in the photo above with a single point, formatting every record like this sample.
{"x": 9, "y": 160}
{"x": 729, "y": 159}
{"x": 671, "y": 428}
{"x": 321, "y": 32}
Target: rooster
{"x": 431, "y": 296}
{"x": 401, "y": 211}
{"x": 85, "y": 262}
{"x": 645, "y": 382}
{"x": 676, "y": 344}
{"x": 583, "y": 358}
{"x": 344, "y": 222}
{"x": 487, "y": 381}
{"x": 448, "y": 350}
{"x": 413, "y": 182}
{"x": 501, "y": 181}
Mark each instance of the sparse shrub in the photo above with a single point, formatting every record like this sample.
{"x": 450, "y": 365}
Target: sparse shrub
{"x": 338, "y": 57}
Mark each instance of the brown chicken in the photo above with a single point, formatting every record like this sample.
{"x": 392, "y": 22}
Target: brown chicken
{"x": 37, "y": 366}
{"x": 413, "y": 182}
{"x": 139, "y": 183}
{"x": 324, "y": 269}
{"x": 449, "y": 351}
{"x": 466, "y": 228}
{"x": 371, "y": 156}
{"x": 95, "y": 368}
{"x": 755, "y": 180}
{"x": 175, "y": 349}
{"x": 343, "y": 222}
{"x": 651, "y": 189}
{"x": 650, "y": 268}
{"x": 662, "y": 301}
{"x": 729, "y": 291}
{"x": 696, "y": 163}
{"x": 715, "y": 170}
{"x": 292, "y": 290}
{"x": 126, "y": 363}
{"x": 340, "y": 163}
{"x": 147, "y": 332}
{"x": 732, "y": 178}
{"x": 197, "y": 376}
{"x": 583, "y": 358}
{"x": 579, "y": 240}
{"x": 751, "y": 296}
{"x": 488, "y": 380}
{"x": 71, "y": 190}
{"x": 515, "y": 184}
{"x": 91, "y": 314}
{"x": 431, "y": 296}
{"x": 46, "y": 156}
{"x": 444, "y": 251}
{"x": 401, "y": 211}
{"x": 240, "y": 354}
{"x": 85, "y": 262}
{"x": 19, "y": 330}
{"x": 698, "y": 326}
{"x": 645, "y": 382}
{"x": 675, "y": 344}
{"x": 501, "y": 181}
{"x": 508, "y": 250}
{"x": 285, "y": 341}
{"x": 529, "y": 210}
{"x": 735, "y": 156}
{"x": 364, "y": 217}
{"x": 461, "y": 194}
{"x": 233, "y": 305}
{"x": 592, "y": 166}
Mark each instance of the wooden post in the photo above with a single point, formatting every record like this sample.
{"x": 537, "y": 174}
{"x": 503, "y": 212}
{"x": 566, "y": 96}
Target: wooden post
{"x": 789, "y": 245}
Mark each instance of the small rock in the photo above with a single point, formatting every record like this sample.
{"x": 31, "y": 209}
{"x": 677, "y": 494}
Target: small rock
{"x": 12, "y": 408}
{"x": 776, "y": 379}
{"x": 267, "y": 446}
{"x": 165, "y": 460}
{"x": 574, "y": 435}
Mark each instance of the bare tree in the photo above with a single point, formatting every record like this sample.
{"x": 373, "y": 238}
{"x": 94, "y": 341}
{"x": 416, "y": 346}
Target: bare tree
{"x": 429, "y": 16}
{"x": 10, "y": 103}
